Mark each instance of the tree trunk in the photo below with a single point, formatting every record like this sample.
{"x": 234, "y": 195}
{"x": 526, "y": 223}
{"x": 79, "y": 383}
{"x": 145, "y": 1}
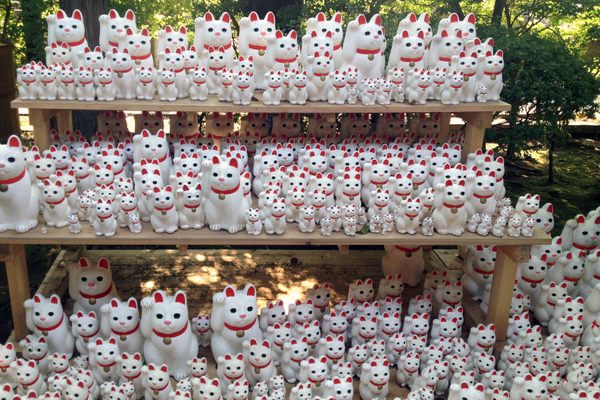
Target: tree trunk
{"x": 551, "y": 161}
{"x": 34, "y": 25}
{"x": 455, "y": 7}
{"x": 86, "y": 121}
{"x": 497, "y": 13}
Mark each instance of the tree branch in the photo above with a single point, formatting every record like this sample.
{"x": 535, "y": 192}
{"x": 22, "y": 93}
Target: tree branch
{"x": 499, "y": 6}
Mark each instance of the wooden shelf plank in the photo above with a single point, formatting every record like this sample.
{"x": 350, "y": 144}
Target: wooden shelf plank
{"x": 213, "y": 105}
{"x": 292, "y": 237}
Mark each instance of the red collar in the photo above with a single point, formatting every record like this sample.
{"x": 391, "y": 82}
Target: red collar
{"x": 253, "y": 221}
{"x": 53, "y": 327}
{"x": 319, "y": 74}
{"x": 160, "y": 389}
{"x": 29, "y": 82}
{"x": 61, "y": 371}
{"x": 409, "y": 59}
{"x": 104, "y": 217}
{"x": 124, "y": 71}
{"x": 368, "y": 51}
{"x": 439, "y": 83}
{"x": 70, "y": 81}
{"x": 202, "y": 331}
{"x": 582, "y": 247}
{"x": 146, "y": 82}
{"x": 318, "y": 206}
{"x": 55, "y": 202}
{"x": 128, "y": 210}
{"x": 275, "y": 87}
{"x": 402, "y": 194}
{"x": 337, "y": 47}
{"x": 199, "y": 82}
{"x": 484, "y": 346}
{"x": 15, "y": 179}
{"x": 408, "y": 249}
{"x": 351, "y": 195}
{"x": 530, "y": 213}
{"x": 479, "y": 196}
{"x": 380, "y": 206}
{"x": 92, "y": 335}
{"x": 567, "y": 278}
{"x": 77, "y": 43}
{"x": 164, "y": 209}
{"x": 334, "y": 358}
{"x": 260, "y": 366}
{"x": 379, "y": 183}
{"x": 551, "y": 304}
{"x": 216, "y": 68}
{"x": 286, "y": 60}
{"x": 300, "y": 86}
{"x": 131, "y": 378}
{"x": 453, "y": 206}
{"x": 85, "y": 82}
{"x": 456, "y": 87}
{"x": 106, "y": 83}
{"x": 44, "y": 356}
{"x": 278, "y": 216}
{"x": 445, "y": 59}
{"x": 144, "y": 57}
{"x": 315, "y": 381}
{"x": 167, "y": 83}
{"x": 240, "y": 328}
{"x": 378, "y": 385}
{"x": 161, "y": 159}
{"x": 113, "y": 44}
{"x": 256, "y": 46}
{"x": 411, "y": 216}
{"x": 482, "y": 272}
{"x": 571, "y": 336}
{"x": 532, "y": 280}
{"x": 37, "y": 378}
{"x": 97, "y": 296}
{"x": 492, "y": 73}
{"x": 126, "y": 333}
{"x": 171, "y": 335}
{"x": 243, "y": 87}
{"x": 192, "y": 206}
{"x": 112, "y": 364}
{"x": 367, "y": 338}
{"x": 178, "y": 71}
{"x": 452, "y": 303}
{"x": 339, "y": 87}
{"x": 228, "y": 45}
{"x": 226, "y": 192}
{"x": 423, "y": 86}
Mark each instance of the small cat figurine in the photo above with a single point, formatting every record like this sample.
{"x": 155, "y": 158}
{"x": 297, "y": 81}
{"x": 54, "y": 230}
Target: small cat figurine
{"x": 164, "y": 217}
{"x": 121, "y": 320}
{"x": 45, "y": 317}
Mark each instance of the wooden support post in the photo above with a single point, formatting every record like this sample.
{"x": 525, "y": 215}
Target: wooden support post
{"x": 507, "y": 259}
{"x": 183, "y": 248}
{"x": 475, "y": 130}
{"x": 344, "y": 249}
{"x": 18, "y": 286}
{"x": 40, "y": 120}
{"x": 64, "y": 121}
{"x": 444, "y": 126}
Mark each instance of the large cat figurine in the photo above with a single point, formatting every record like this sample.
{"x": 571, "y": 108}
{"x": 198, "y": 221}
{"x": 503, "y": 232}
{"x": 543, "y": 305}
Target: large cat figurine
{"x": 68, "y": 30}
{"x": 113, "y": 29}
{"x": 149, "y": 147}
{"x": 321, "y": 25}
{"x": 213, "y": 32}
{"x": 169, "y": 337}
{"x": 91, "y": 286}
{"x": 233, "y": 320}
{"x": 121, "y": 320}
{"x": 45, "y": 317}
{"x": 19, "y": 200}
{"x": 139, "y": 47}
{"x": 256, "y": 37}
{"x": 223, "y": 199}
{"x": 364, "y": 45}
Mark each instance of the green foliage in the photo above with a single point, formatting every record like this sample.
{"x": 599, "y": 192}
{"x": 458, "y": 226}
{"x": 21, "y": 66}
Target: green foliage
{"x": 546, "y": 84}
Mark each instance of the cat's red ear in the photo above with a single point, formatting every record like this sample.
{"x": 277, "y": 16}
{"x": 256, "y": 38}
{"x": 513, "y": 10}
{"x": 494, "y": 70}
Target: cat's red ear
{"x": 251, "y": 290}
{"x": 104, "y": 263}
{"x": 158, "y": 297}
{"x": 14, "y": 141}
{"x": 180, "y": 298}
{"x": 270, "y": 17}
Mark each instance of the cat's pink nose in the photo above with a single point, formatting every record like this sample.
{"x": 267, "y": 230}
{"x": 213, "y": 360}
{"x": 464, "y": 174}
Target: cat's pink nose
{"x": 376, "y": 37}
{"x": 91, "y": 284}
{"x": 2, "y": 165}
{"x": 67, "y": 30}
{"x": 119, "y": 30}
{"x": 217, "y": 34}
{"x": 42, "y": 318}
{"x": 168, "y": 322}
{"x": 122, "y": 323}
{"x": 242, "y": 316}
{"x": 221, "y": 179}
{"x": 263, "y": 33}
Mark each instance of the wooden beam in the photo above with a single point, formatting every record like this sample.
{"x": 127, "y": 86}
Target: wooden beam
{"x": 18, "y": 286}
{"x": 40, "y": 121}
{"x": 476, "y": 124}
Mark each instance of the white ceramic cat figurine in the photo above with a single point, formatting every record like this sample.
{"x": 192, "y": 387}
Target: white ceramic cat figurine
{"x": 319, "y": 67}
{"x": 364, "y": 44}
{"x": 91, "y": 286}
{"x": 224, "y": 202}
{"x": 32, "y": 348}
{"x": 164, "y": 217}
{"x": 257, "y": 40}
{"x": 84, "y": 85}
{"x": 47, "y": 88}
{"x": 155, "y": 380}
{"x": 66, "y": 83}
{"x": 27, "y": 79}
{"x": 198, "y": 85}
{"x": 274, "y": 88}
{"x": 45, "y": 317}
{"x": 213, "y": 32}
{"x": 121, "y": 320}
{"x": 408, "y": 51}
{"x": 258, "y": 360}
{"x": 106, "y": 89}
{"x": 68, "y": 30}
{"x": 130, "y": 367}
{"x": 149, "y": 147}
{"x": 298, "y": 93}
{"x": 145, "y": 88}
{"x": 274, "y": 220}
{"x": 123, "y": 73}
{"x": 113, "y": 29}
{"x": 169, "y": 337}
{"x": 104, "y": 221}
{"x": 55, "y": 207}
{"x": 374, "y": 378}
{"x": 28, "y": 377}
{"x": 19, "y": 201}
{"x": 449, "y": 215}
{"x": 243, "y": 89}
{"x": 85, "y": 329}
{"x": 234, "y": 320}
{"x": 492, "y": 74}
{"x": 321, "y": 25}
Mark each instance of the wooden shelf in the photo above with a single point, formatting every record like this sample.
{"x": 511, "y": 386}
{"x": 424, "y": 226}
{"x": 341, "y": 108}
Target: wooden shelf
{"x": 292, "y": 237}
{"x": 213, "y": 105}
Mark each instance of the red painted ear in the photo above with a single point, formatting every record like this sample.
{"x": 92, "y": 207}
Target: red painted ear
{"x": 251, "y": 291}
{"x": 104, "y": 263}
{"x": 158, "y": 297}
{"x": 180, "y": 298}
{"x": 270, "y": 17}
{"x": 464, "y": 386}
{"x": 229, "y": 291}
{"x": 164, "y": 368}
{"x": 54, "y": 299}
{"x": 362, "y": 19}
{"x": 14, "y": 141}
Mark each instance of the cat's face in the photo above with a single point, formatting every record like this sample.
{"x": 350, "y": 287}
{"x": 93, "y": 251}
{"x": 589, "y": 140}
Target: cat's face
{"x": 370, "y": 33}
{"x": 216, "y": 32}
{"x": 69, "y": 29}
{"x": 104, "y": 75}
{"x": 366, "y": 327}
{"x": 164, "y": 198}
{"x": 120, "y": 60}
{"x": 322, "y": 63}
{"x": 207, "y": 389}
{"x": 60, "y": 53}
{"x": 66, "y": 74}
{"x": 231, "y": 366}
{"x": 175, "y": 38}
{"x": 224, "y": 175}
{"x": 173, "y": 59}
{"x": 12, "y": 160}
{"x": 286, "y": 46}
{"x": 240, "y": 306}
{"x": 93, "y": 59}
{"x": 261, "y": 30}
{"x": 117, "y": 25}
{"x": 169, "y": 314}
{"x": 124, "y": 316}
{"x": 197, "y": 367}
{"x": 138, "y": 44}
{"x": 85, "y": 324}
{"x": 333, "y": 26}
{"x": 130, "y": 364}
{"x": 494, "y": 62}
{"x": 412, "y": 46}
